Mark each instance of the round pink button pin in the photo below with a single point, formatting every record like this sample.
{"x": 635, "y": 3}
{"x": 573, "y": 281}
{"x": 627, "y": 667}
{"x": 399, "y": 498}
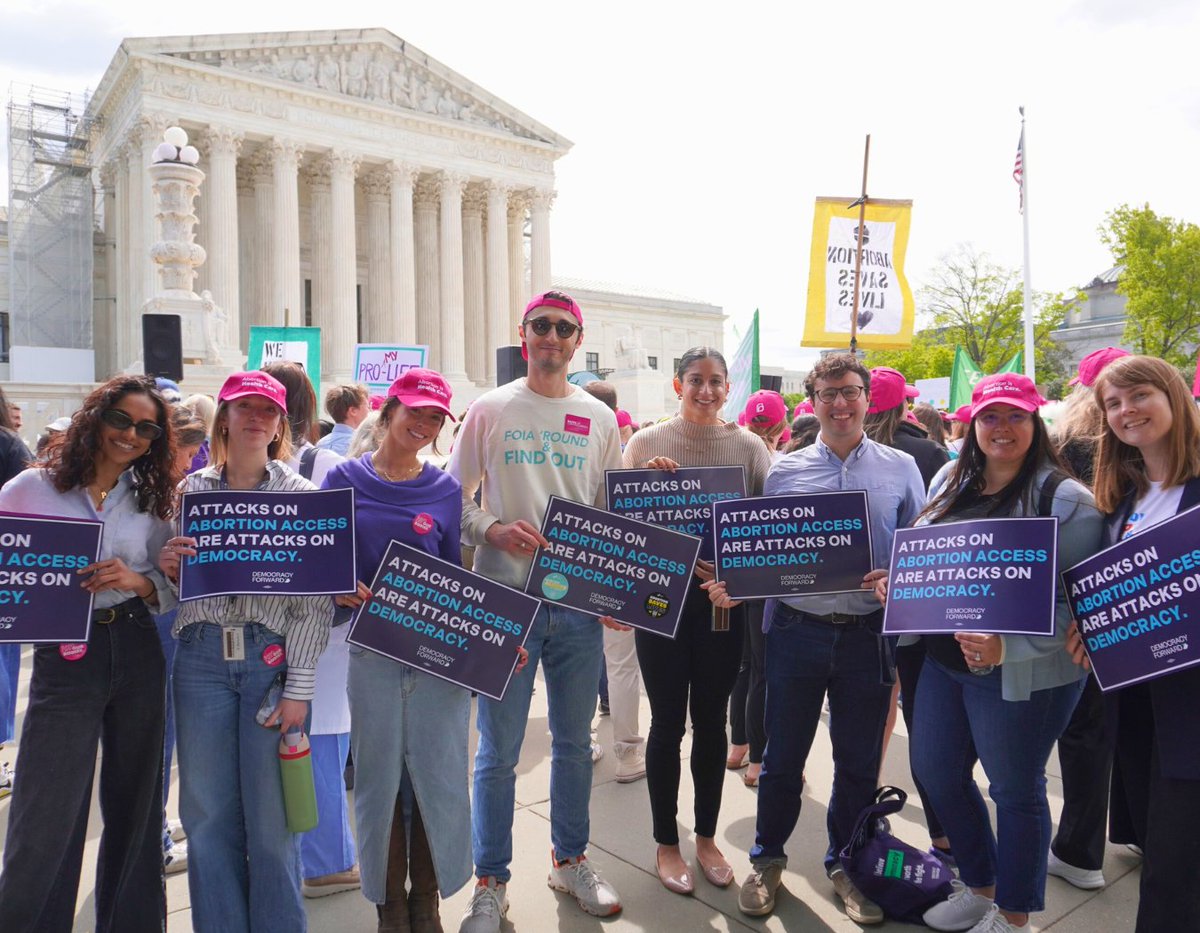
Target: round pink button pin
{"x": 423, "y": 523}
{"x": 72, "y": 652}
{"x": 273, "y": 655}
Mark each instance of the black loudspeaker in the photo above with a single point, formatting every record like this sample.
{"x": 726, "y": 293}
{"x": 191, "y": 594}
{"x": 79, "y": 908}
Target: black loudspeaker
{"x": 771, "y": 383}
{"x": 162, "y": 346}
{"x": 509, "y": 365}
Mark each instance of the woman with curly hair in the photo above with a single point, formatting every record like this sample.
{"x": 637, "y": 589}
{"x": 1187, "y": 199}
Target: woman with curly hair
{"x": 114, "y": 465}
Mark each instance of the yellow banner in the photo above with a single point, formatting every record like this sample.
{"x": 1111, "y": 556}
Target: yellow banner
{"x": 885, "y": 302}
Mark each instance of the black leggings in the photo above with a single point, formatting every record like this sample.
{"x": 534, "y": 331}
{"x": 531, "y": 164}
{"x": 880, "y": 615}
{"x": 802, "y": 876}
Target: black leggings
{"x": 747, "y": 705}
{"x": 693, "y": 672}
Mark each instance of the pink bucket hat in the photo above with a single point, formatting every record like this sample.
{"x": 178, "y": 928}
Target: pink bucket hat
{"x": 889, "y": 389}
{"x": 422, "y": 388}
{"x": 1006, "y": 389}
{"x": 254, "y": 382}
{"x": 1091, "y": 365}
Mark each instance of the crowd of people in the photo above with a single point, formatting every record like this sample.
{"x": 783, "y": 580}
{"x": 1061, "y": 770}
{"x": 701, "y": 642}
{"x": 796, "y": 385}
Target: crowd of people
{"x": 158, "y": 677}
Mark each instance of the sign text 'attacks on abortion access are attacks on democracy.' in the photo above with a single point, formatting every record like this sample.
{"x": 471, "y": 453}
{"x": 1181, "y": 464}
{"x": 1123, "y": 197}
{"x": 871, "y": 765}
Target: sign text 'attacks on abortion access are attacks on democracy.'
{"x": 41, "y": 599}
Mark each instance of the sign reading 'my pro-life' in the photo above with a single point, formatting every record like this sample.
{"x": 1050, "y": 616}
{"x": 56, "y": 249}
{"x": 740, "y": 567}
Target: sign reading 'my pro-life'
{"x": 994, "y": 575}
{"x": 254, "y": 541}
{"x": 41, "y": 599}
{"x": 442, "y": 619}
{"x": 681, "y": 500}
{"x": 606, "y": 564}
{"x": 1137, "y": 603}
{"x": 795, "y": 545}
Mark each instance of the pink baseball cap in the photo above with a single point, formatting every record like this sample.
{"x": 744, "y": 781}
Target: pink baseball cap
{"x": 377, "y": 401}
{"x": 764, "y": 406}
{"x": 785, "y": 436}
{"x": 889, "y": 389}
{"x": 254, "y": 382}
{"x": 554, "y": 299}
{"x": 962, "y": 413}
{"x": 422, "y": 388}
{"x": 1091, "y": 365}
{"x": 1006, "y": 389}
{"x": 624, "y": 419}
{"x": 804, "y": 408}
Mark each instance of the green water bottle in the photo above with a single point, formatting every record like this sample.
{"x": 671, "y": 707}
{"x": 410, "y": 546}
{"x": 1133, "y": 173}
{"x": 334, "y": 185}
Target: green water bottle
{"x": 299, "y": 792}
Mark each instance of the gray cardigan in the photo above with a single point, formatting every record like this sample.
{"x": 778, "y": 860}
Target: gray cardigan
{"x": 1034, "y": 662}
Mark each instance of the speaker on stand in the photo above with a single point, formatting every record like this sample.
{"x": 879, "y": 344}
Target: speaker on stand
{"x": 509, "y": 365}
{"x": 162, "y": 346}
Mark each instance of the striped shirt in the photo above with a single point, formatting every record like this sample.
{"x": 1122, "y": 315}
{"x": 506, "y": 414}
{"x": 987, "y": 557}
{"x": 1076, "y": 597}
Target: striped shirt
{"x": 302, "y": 621}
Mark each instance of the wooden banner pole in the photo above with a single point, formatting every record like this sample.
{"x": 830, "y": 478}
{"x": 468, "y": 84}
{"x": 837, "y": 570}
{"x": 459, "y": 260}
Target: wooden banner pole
{"x": 862, "y": 217}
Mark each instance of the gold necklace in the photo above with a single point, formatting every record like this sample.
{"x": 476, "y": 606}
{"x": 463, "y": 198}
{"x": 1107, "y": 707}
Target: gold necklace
{"x": 407, "y": 474}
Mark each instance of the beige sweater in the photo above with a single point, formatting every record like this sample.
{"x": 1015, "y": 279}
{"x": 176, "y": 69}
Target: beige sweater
{"x": 702, "y": 445}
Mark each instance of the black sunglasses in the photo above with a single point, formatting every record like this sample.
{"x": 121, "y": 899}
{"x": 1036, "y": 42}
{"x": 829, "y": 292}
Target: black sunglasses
{"x": 565, "y": 329}
{"x": 115, "y": 418}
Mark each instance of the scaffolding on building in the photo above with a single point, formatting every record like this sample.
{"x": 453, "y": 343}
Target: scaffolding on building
{"x": 50, "y": 219}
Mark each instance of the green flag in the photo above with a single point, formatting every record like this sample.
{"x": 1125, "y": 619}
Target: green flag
{"x": 1015, "y": 365}
{"x": 963, "y": 377}
{"x": 743, "y": 372}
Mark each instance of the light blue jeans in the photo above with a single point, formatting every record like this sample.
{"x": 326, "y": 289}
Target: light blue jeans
{"x": 570, "y": 646}
{"x": 230, "y": 794}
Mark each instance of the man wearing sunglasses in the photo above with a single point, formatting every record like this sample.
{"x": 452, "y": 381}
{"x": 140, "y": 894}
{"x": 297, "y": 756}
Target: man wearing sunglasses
{"x": 818, "y": 645}
{"x": 524, "y": 442}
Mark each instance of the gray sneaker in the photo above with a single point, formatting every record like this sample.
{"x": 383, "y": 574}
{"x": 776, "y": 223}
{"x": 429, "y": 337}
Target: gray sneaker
{"x": 489, "y": 904}
{"x": 859, "y": 907}
{"x": 576, "y": 877}
{"x": 756, "y": 897}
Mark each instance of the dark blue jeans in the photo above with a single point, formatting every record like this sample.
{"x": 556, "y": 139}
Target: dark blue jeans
{"x": 958, "y": 714}
{"x": 112, "y": 696}
{"x": 807, "y": 658}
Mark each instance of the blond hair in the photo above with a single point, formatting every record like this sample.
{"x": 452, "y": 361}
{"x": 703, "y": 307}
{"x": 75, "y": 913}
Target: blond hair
{"x": 218, "y": 446}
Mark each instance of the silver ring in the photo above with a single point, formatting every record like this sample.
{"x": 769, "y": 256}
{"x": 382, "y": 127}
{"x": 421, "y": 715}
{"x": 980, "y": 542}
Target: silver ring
{"x": 978, "y": 657}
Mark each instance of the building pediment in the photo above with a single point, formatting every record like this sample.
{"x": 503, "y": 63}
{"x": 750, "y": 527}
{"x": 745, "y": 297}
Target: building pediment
{"x": 371, "y": 66}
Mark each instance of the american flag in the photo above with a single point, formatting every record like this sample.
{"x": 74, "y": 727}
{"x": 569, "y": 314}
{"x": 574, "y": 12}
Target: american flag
{"x": 1019, "y": 169}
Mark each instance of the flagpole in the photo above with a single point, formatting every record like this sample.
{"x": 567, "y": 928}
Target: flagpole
{"x": 1028, "y": 301}
{"x": 862, "y": 218}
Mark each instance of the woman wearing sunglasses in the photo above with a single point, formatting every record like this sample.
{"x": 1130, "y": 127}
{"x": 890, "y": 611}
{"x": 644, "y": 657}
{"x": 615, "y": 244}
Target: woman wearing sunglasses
{"x": 113, "y": 465}
{"x": 1006, "y": 697}
{"x": 1147, "y": 469}
{"x": 243, "y": 863}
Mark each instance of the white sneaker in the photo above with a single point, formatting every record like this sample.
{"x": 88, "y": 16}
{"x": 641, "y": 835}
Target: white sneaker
{"x": 489, "y": 904}
{"x": 597, "y": 749}
{"x": 175, "y": 830}
{"x": 175, "y": 858}
{"x": 7, "y": 776}
{"x": 631, "y": 763}
{"x": 1085, "y": 879}
{"x": 995, "y": 922}
{"x": 576, "y": 877}
{"x": 962, "y": 910}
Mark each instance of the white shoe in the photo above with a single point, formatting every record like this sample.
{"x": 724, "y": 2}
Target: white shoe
{"x": 7, "y": 776}
{"x": 597, "y": 749}
{"x": 631, "y": 763}
{"x": 1087, "y": 880}
{"x": 576, "y": 877}
{"x": 488, "y": 905}
{"x": 175, "y": 858}
{"x": 995, "y": 922}
{"x": 962, "y": 910}
{"x": 175, "y": 830}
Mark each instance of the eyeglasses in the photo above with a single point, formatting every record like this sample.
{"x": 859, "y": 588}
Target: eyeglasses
{"x": 1014, "y": 419}
{"x": 115, "y": 418}
{"x": 565, "y": 329}
{"x": 849, "y": 393}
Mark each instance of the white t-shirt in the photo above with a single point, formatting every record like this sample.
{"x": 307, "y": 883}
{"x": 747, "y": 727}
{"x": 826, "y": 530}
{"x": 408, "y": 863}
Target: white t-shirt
{"x": 1157, "y": 505}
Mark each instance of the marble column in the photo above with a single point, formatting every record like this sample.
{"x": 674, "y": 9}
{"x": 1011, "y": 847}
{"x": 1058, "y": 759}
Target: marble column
{"x": 220, "y": 200}
{"x": 539, "y": 241}
{"x": 137, "y": 254}
{"x": 474, "y": 305}
{"x": 320, "y": 248}
{"x": 404, "y": 286}
{"x": 379, "y": 321}
{"x": 153, "y": 126}
{"x": 123, "y": 354}
{"x": 340, "y": 333}
{"x": 287, "y": 297}
{"x": 498, "y": 333}
{"x": 451, "y": 330}
{"x": 105, "y": 317}
{"x": 247, "y": 262}
{"x": 264, "y": 312}
{"x": 426, "y": 198}
{"x": 518, "y": 283}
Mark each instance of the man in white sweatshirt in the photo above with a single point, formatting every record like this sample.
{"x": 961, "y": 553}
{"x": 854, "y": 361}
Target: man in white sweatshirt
{"x": 524, "y": 442}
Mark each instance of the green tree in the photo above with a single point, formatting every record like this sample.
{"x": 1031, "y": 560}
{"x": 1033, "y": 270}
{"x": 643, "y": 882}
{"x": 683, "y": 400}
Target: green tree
{"x": 1160, "y": 279}
{"x": 972, "y": 302}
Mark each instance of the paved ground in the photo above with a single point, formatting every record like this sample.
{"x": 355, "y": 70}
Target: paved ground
{"x": 624, "y": 852}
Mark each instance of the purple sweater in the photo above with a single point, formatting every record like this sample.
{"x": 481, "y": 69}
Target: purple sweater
{"x": 383, "y": 511}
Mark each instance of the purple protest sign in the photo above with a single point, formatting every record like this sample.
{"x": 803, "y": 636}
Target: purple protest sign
{"x": 681, "y": 500}
{"x": 444, "y": 620}
{"x": 276, "y": 542}
{"x": 41, "y": 599}
{"x": 605, "y": 564}
{"x": 796, "y": 545}
{"x": 1137, "y": 603}
{"x": 993, "y": 575}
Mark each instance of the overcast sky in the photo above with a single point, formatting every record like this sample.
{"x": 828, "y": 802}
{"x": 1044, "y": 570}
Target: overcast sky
{"x": 703, "y": 132}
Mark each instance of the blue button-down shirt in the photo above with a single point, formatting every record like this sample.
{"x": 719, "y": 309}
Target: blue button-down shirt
{"x": 895, "y": 495}
{"x": 337, "y": 440}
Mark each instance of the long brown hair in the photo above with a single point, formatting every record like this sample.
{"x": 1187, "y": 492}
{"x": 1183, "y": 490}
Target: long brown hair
{"x": 1120, "y": 467}
{"x": 71, "y": 460}
{"x": 301, "y": 399}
